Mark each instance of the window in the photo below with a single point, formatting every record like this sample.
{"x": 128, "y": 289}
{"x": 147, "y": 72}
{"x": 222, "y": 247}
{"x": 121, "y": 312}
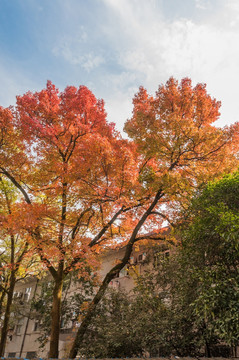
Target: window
{"x": 115, "y": 284}
{"x": 31, "y": 355}
{"x": 17, "y": 295}
{"x": 12, "y": 355}
{"x": 26, "y": 297}
{"x": 18, "y": 329}
{"x": 36, "y": 326}
{"x": 27, "y": 293}
{"x": 142, "y": 257}
{"x": 124, "y": 272}
{"x": 19, "y": 326}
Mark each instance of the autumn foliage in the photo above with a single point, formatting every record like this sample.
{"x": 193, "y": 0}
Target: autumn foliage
{"x": 73, "y": 171}
{"x": 83, "y": 188}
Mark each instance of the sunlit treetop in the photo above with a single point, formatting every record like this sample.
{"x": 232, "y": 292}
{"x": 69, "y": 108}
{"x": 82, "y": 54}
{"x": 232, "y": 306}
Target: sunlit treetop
{"x": 175, "y": 134}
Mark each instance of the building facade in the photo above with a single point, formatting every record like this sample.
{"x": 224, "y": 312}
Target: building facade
{"x": 25, "y": 327}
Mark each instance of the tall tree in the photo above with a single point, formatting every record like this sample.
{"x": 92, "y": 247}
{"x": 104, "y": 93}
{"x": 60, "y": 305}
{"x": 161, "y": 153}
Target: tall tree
{"x": 14, "y": 248}
{"x": 70, "y": 170}
{"x": 82, "y": 187}
{"x": 178, "y": 149}
{"x": 210, "y": 249}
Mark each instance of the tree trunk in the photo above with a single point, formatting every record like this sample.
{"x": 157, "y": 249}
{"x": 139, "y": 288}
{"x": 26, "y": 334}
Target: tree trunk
{"x": 3, "y": 294}
{"x": 56, "y": 317}
{"x": 207, "y": 349}
{"x": 10, "y": 292}
{"x": 110, "y": 275}
{"x": 7, "y": 314}
{"x": 57, "y": 292}
{"x": 91, "y": 311}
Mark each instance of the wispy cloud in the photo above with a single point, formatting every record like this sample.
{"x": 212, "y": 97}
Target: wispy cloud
{"x": 114, "y": 46}
{"x": 74, "y": 50}
{"x": 202, "y": 4}
{"x": 88, "y": 61}
{"x": 156, "y": 48}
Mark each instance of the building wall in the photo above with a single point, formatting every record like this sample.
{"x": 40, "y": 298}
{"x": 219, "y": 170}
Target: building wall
{"x": 22, "y": 339}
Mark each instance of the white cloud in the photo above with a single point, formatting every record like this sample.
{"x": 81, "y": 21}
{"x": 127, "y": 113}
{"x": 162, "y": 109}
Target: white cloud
{"x": 74, "y": 50}
{"x": 155, "y": 49}
{"x": 118, "y": 97}
{"x": 231, "y": 15}
{"x": 91, "y": 61}
{"x": 73, "y": 54}
{"x": 132, "y": 42}
{"x": 118, "y": 109}
{"x": 201, "y": 4}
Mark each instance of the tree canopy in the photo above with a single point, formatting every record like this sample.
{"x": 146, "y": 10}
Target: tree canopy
{"x": 211, "y": 242}
{"x": 83, "y": 188}
{"x": 187, "y": 304}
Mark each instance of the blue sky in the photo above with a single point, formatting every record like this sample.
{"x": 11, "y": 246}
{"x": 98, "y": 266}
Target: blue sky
{"x": 114, "y": 46}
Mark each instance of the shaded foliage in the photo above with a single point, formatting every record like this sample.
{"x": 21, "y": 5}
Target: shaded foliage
{"x": 211, "y": 242}
{"x": 188, "y": 304}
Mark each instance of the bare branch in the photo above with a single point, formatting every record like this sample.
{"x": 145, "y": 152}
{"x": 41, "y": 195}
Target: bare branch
{"x": 163, "y": 216}
{"x": 16, "y": 183}
{"x": 106, "y": 227}
{"x": 78, "y": 222}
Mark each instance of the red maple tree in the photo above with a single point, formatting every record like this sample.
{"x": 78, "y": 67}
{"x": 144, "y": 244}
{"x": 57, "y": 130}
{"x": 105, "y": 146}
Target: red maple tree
{"x": 84, "y": 188}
